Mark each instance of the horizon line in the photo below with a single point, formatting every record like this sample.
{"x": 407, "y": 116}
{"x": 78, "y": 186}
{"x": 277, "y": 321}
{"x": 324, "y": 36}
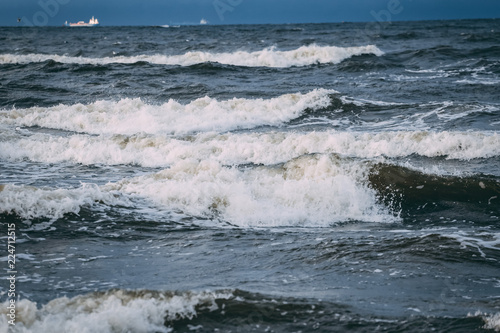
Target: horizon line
{"x": 268, "y": 23}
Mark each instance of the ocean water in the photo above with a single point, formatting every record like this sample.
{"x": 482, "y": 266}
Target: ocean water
{"x": 252, "y": 178}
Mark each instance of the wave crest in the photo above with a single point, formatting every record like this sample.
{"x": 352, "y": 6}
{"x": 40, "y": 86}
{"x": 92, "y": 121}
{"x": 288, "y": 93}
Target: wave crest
{"x": 130, "y": 116}
{"x": 310, "y": 191}
{"x": 242, "y": 148}
{"x": 269, "y": 57}
{"x": 30, "y": 202}
{"x": 113, "y": 311}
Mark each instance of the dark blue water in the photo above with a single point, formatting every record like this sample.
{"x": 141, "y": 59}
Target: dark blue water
{"x": 277, "y": 178}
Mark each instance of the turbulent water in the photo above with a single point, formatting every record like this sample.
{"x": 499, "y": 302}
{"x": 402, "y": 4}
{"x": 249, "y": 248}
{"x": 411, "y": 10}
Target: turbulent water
{"x": 279, "y": 178}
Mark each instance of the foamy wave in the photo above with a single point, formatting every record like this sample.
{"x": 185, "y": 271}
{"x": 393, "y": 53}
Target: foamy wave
{"x": 130, "y": 116}
{"x": 241, "y": 148}
{"x": 311, "y": 191}
{"x": 30, "y": 202}
{"x": 492, "y": 322}
{"x": 113, "y": 311}
{"x": 270, "y": 57}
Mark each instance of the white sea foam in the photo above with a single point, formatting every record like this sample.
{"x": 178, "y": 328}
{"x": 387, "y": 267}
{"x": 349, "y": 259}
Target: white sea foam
{"x": 483, "y": 81}
{"x": 31, "y": 202}
{"x": 491, "y": 321}
{"x": 309, "y": 191}
{"x": 313, "y": 190}
{"x": 113, "y": 311}
{"x": 130, "y": 116}
{"x": 480, "y": 242}
{"x": 241, "y": 148}
{"x": 270, "y": 57}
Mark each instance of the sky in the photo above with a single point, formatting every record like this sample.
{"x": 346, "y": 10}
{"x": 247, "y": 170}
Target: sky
{"x": 173, "y": 12}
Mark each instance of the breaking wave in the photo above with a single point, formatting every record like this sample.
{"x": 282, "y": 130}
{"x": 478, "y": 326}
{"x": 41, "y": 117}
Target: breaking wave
{"x": 269, "y": 57}
{"x": 241, "y": 148}
{"x": 30, "y": 202}
{"x": 313, "y": 190}
{"x": 130, "y": 116}
{"x": 309, "y": 191}
{"x": 113, "y": 311}
{"x": 491, "y": 321}
{"x": 143, "y": 311}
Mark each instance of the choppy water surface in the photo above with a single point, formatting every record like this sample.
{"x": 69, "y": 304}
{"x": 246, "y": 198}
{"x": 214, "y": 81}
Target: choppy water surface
{"x": 253, "y": 178}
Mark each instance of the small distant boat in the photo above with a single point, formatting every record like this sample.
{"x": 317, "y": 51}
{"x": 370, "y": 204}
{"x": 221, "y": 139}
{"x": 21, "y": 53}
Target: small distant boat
{"x": 92, "y": 23}
{"x": 203, "y": 21}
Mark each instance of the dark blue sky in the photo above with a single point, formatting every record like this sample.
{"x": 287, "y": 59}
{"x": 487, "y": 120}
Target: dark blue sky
{"x": 159, "y": 12}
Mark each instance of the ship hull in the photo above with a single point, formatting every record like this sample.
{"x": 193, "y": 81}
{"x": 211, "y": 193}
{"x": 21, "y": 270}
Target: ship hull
{"x": 92, "y": 23}
{"x": 81, "y": 25}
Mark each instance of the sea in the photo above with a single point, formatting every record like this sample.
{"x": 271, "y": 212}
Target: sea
{"x": 339, "y": 177}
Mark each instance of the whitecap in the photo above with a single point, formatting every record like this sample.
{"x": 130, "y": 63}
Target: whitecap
{"x": 269, "y": 57}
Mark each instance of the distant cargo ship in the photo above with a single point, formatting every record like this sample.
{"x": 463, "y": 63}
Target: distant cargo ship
{"x": 92, "y": 23}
